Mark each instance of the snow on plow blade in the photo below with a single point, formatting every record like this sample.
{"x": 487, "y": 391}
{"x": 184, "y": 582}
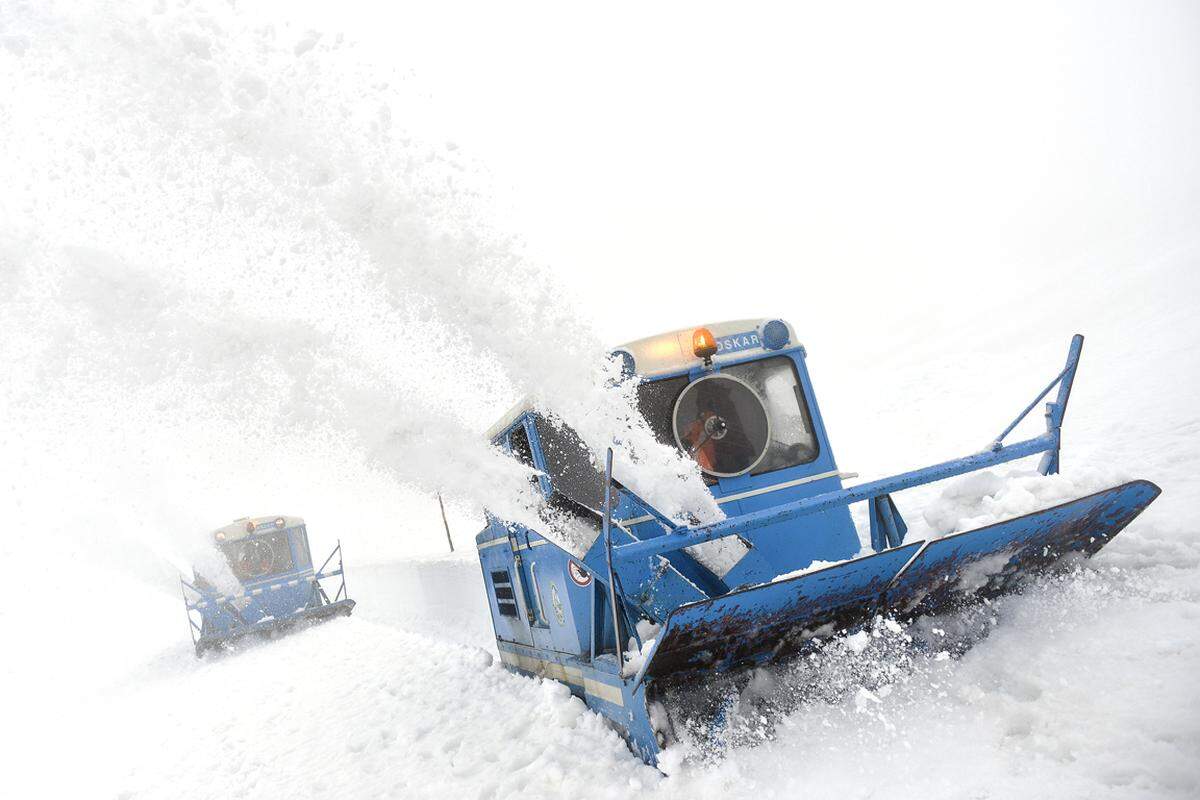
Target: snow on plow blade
{"x": 991, "y": 561}
{"x": 772, "y": 621}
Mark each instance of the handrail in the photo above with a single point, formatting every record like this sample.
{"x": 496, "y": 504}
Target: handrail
{"x": 822, "y": 502}
{"x": 537, "y": 592}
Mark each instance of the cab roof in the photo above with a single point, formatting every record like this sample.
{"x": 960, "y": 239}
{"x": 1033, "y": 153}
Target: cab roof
{"x": 671, "y": 352}
{"x": 241, "y": 528}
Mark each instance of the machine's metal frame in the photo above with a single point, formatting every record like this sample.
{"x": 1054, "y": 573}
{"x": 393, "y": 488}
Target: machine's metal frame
{"x": 642, "y": 567}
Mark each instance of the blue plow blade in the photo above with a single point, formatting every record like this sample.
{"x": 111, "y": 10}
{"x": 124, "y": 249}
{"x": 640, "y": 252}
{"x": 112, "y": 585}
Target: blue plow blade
{"x": 264, "y": 626}
{"x": 767, "y": 622}
{"x": 772, "y": 621}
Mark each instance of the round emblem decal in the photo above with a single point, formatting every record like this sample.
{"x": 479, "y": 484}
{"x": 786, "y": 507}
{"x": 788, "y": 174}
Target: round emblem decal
{"x": 578, "y": 574}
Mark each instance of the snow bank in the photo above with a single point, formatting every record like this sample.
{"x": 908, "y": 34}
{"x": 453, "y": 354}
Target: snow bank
{"x": 355, "y": 708}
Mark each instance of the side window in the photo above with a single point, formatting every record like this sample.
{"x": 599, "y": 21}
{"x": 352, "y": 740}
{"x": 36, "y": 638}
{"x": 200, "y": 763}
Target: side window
{"x": 502, "y": 587}
{"x": 302, "y": 543}
{"x": 793, "y": 440}
{"x": 259, "y": 555}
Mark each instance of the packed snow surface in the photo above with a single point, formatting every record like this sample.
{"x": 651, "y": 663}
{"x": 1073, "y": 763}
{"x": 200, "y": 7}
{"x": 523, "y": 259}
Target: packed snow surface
{"x": 238, "y": 276}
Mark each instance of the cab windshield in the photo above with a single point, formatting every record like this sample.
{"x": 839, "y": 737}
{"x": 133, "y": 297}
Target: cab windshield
{"x": 259, "y": 555}
{"x": 749, "y": 418}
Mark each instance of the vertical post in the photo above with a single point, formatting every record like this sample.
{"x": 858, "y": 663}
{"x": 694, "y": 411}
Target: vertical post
{"x": 1055, "y": 411}
{"x": 342, "y": 570}
{"x": 592, "y": 622}
{"x": 445, "y": 524}
{"x": 188, "y": 611}
{"x": 612, "y": 580}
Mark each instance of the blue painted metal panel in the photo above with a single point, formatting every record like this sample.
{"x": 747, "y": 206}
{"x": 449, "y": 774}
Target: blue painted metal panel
{"x": 653, "y": 585}
{"x": 497, "y": 557}
{"x": 792, "y": 544}
{"x": 695, "y": 575}
{"x": 543, "y": 584}
{"x": 548, "y": 575}
{"x": 993, "y": 560}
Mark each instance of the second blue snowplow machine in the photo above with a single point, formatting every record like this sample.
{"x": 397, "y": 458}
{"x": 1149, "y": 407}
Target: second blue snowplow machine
{"x": 276, "y": 586}
{"x": 632, "y": 607}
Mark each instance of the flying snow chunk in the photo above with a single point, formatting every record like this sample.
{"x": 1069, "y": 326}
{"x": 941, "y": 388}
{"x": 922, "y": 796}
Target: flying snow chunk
{"x": 858, "y": 642}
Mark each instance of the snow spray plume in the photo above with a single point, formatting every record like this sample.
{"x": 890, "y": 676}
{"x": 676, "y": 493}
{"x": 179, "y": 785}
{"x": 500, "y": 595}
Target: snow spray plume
{"x": 237, "y": 257}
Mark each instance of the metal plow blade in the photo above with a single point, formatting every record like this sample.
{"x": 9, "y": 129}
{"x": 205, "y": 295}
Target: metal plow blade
{"x": 269, "y": 626}
{"x": 774, "y": 620}
{"x": 990, "y": 561}
{"x": 769, "y": 622}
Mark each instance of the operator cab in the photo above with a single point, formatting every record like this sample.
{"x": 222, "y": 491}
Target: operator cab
{"x": 734, "y": 396}
{"x": 737, "y": 398}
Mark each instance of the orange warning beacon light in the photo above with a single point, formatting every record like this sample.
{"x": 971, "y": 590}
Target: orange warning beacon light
{"x": 703, "y": 344}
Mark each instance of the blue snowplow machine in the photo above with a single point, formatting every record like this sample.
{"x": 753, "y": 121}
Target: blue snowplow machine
{"x": 278, "y": 588}
{"x": 627, "y": 606}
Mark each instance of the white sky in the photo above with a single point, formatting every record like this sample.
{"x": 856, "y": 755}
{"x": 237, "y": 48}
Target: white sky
{"x": 834, "y": 165}
{"x": 853, "y": 169}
